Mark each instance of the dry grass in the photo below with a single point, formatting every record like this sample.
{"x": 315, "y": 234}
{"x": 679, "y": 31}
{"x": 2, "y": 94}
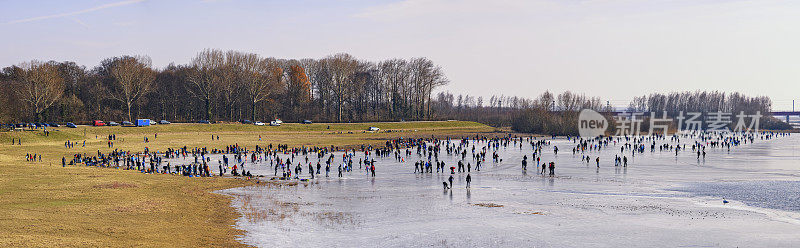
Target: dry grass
{"x": 332, "y": 219}
{"x": 45, "y": 205}
{"x": 114, "y": 185}
{"x": 277, "y": 212}
{"x": 488, "y": 205}
{"x": 530, "y": 213}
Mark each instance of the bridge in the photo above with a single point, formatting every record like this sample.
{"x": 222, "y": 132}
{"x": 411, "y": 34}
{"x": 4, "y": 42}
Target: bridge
{"x": 788, "y": 115}
{"x": 773, "y": 113}
{"x": 784, "y": 115}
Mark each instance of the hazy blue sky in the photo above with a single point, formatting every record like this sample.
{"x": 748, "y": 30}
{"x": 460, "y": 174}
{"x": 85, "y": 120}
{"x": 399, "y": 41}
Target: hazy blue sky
{"x": 612, "y": 49}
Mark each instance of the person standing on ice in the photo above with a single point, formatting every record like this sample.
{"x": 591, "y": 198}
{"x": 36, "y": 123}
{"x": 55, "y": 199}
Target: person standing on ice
{"x": 469, "y": 179}
{"x": 544, "y": 169}
{"x": 451, "y": 181}
{"x": 525, "y": 163}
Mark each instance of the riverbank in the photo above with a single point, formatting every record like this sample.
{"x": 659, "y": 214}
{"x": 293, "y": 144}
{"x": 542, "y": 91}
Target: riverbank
{"x": 45, "y": 205}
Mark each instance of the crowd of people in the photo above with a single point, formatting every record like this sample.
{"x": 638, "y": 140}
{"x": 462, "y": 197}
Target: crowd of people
{"x": 468, "y": 153}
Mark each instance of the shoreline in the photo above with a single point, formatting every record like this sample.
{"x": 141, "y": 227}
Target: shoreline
{"x": 45, "y": 205}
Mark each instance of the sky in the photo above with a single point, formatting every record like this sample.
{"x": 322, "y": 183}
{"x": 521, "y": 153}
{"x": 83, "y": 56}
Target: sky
{"x": 613, "y": 49}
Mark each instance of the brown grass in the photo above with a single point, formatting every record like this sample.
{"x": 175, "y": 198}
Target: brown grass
{"x": 114, "y": 185}
{"x": 530, "y": 213}
{"x": 335, "y": 219}
{"x": 488, "y": 205}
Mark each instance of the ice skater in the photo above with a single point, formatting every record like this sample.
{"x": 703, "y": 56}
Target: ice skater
{"x": 525, "y": 163}
{"x": 450, "y": 180}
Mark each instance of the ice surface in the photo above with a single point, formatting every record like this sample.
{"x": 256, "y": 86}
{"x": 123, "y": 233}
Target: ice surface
{"x": 782, "y": 195}
{"x": 659, "y": 200}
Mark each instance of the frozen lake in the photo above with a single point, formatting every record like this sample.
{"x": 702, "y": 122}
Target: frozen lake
{"x": 658, "y": 200}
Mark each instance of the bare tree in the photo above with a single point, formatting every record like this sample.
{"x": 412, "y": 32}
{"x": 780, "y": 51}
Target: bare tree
{"x": 342, "y": 67}
{"x": 40, "y": 85}
{"x": 336, "y": 88}
{"x": 546, "y": 101}
{"x": 132, "y": 79}
{"x": 394, "y": 75}
{"x": 259, "y": 78}
{"x": 206, "y": 76}
{"x": 298, "y": 90}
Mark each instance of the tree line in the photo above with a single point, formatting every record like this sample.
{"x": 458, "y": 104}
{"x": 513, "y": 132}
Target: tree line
{"x": 557, "y": 114}
{"x": 222, "y": 86}
{"x": 538, "y": 117}
{"x": 700, "y": 101}
{"x": 231, "y": 85}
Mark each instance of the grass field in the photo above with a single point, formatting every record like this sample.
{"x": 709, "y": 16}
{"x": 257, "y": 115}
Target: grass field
{"x": 45, "y": 205}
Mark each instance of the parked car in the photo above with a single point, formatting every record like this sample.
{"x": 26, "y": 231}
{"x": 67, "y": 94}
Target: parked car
{"x": 258, "y": 123}
{"x": 203, "y": 122}
{"x": 127, "y": 123}
{"x": 98, "y": 123}
{"x": 70, "y": 125}
{"x": 38, "y": 125}
{"x": 279, "y": 121}
{"x": 152, "y": 122}
{"x": 111, "y": 123}
{"x": 373, "y": 129}
{"x": 163, "y": 122}
{"x": 246, "y": 122}
{"x": 306, "y": 121}
{"x": 53, "y": 124}
{"x": 274, "y": 123}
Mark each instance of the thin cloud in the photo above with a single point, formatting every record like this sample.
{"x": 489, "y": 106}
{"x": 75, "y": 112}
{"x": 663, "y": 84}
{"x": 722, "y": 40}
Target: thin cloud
{"x": 80, "y": 22}
{"x": 437, "y": 8}
{"x": 74, "y": 13}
